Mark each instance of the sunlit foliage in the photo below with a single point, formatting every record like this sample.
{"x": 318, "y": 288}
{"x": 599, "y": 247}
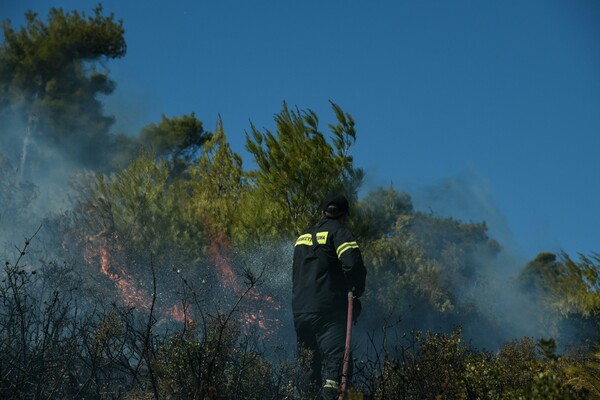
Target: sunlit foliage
{"x": 299, "y": 165}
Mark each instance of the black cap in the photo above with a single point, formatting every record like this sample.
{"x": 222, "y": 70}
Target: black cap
{"x": 336, "y": 205}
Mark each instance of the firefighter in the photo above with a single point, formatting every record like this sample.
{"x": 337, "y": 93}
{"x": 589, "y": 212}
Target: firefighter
{"x": 327, "y": 265}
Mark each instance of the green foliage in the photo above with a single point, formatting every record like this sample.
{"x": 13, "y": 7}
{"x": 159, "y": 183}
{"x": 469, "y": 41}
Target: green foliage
{"x": 214, "y": 364}
{"x": 442, "y": 366}
{"x": 258, "y": 220}
{"x": 376, "y": 213}
{"x": 143, "y": 210}
{"x": 566, "y": 285}
{"x": 176, "y": 139}
{"x": 216, "y": 185}
{"x": 49, "y": 76}
{"x": 298, "y": 167}
{"x": 565, "y": 290}
{"x": 423, "y": 258}
{"x": 584, "y": 374}
{"x": 579, "y": 283}
{"x": 39, "y": 53}
{"x": 431, "y": 380}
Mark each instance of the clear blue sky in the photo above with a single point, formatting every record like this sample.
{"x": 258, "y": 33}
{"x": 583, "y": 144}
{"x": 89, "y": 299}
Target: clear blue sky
{"x": 482, "y": 110}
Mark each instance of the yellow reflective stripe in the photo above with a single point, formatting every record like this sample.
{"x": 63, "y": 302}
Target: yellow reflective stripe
{"x": 322, "y": 237}
{"x": 345, "y": 246}
{"x": 330, "y": 384}
{"x": 305, "y": 239}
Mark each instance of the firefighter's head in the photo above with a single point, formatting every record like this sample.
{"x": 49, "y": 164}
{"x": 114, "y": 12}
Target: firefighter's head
{"x": 336, "y": 206}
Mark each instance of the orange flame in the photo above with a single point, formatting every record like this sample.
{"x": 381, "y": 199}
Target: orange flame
{"x": 104, "y": 249}
{"x": 217, "y": 250}
{"x": 261, "y": 305}
{"x": 180, "y": 313}
{"x": 98, "y": 250}
{"x": 130, "y": 293}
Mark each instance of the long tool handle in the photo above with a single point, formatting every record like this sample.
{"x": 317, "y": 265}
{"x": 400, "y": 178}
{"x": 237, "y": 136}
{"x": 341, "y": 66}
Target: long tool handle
{"x": 347, "y": 350}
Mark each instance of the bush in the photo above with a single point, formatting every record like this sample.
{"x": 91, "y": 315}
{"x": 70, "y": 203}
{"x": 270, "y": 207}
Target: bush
{"x": 61, "y": 338}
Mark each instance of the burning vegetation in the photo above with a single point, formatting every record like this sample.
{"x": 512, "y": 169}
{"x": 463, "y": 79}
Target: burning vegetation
{"x": 167, "y": 273}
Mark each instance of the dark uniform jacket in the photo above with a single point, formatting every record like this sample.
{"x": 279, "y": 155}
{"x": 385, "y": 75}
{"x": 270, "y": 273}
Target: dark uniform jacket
{"x": 327, "y": 263}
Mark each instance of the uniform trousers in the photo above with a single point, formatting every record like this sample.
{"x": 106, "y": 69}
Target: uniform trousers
{"x": 323, "y": 337}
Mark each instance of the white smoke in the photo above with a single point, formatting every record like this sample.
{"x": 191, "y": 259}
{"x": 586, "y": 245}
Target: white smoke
{"x": 506, "y": 312}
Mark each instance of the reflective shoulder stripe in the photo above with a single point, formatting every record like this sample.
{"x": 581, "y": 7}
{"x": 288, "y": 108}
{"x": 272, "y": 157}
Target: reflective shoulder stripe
{"x": 322, "y": 237}
{"x": 345, "y": 246}
{"x": 305, "y": 239}
{"x": 330, "y": 384}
